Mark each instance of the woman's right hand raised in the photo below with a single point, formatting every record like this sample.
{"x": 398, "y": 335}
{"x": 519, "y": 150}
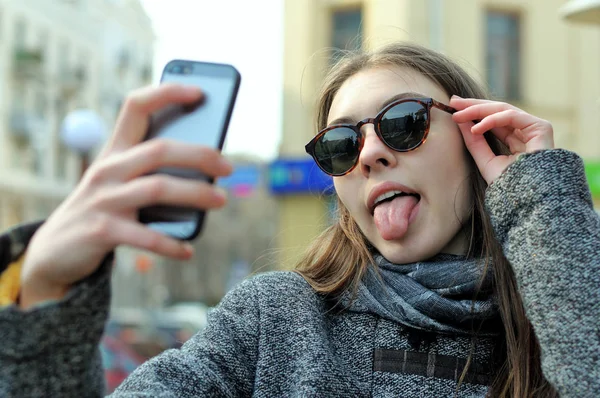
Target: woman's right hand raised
{"x": 101, "y": 213}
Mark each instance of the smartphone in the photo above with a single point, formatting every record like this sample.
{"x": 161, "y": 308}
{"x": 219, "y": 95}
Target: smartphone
{"x": 204, "y": 123}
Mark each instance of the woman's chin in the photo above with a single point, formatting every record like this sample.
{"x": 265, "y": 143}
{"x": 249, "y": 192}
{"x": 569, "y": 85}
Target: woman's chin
{"x": 408, "y": 250}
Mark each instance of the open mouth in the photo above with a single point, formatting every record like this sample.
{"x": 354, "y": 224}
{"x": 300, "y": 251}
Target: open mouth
{"x": 391, "y": 195}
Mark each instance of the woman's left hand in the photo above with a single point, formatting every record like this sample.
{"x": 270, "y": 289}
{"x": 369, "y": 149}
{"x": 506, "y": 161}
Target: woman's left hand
{"x": 520, "y": 131}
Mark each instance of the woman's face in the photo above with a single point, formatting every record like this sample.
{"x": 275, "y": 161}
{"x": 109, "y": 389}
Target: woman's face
{"x": 415, "y": 227}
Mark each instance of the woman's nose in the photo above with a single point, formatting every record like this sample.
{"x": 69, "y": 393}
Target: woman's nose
{"x": 375, "y": 155}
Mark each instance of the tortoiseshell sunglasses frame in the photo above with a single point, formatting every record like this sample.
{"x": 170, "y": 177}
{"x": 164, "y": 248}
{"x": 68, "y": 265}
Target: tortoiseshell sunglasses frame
{"x": 427, "y": 103}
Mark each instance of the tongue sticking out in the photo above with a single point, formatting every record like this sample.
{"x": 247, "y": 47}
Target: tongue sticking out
{"x": 392, "y": 218}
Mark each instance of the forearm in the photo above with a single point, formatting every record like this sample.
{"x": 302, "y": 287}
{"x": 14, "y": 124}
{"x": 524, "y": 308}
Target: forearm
{"x": 52, "y": 349}
{"x": 68, "y": 372}
{"x": 220, "y": 361}
{"x": 541, "y": 210}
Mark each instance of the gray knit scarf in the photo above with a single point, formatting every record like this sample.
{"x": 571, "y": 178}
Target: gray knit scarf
{"x": 435, "y": 295}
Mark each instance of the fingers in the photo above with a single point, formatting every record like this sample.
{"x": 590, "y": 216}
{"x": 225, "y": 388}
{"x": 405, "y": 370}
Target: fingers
{"x": 508, "y": 118}
{"x": 475, "y": 110}
{"x": 133, "y": 120}
{"x": 477, "y": 146}
{"x": 160, "y": 189}
{"x": 519, "y": 130}
{"x": 505, "y": 121}
{"x": 460, "y": 103}
{"x": 141, "y": 237}
{"x": 472, "y": 109}
{"x": 158, "y": 153}
{"x": 515, "y": 144}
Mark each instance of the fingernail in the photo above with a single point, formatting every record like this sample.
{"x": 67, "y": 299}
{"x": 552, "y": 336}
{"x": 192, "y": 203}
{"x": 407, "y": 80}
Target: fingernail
{"x": 193, "y": 90}
{"x": 226, "y": 163}
{"x": 220, "y": 193}
{"x": 189, "y": 250}
{"x": 455, "y": 96}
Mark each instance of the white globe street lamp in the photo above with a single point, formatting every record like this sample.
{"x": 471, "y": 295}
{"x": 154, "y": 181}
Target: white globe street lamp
{"x": 83, "y": 130}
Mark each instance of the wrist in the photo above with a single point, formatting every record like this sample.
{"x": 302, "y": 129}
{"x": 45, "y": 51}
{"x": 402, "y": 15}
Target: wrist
{"x": 34, "y": 292}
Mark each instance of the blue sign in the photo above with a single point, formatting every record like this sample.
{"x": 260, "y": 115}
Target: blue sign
{"x": 247, "y": 175}
{"x": 298, "y": 176}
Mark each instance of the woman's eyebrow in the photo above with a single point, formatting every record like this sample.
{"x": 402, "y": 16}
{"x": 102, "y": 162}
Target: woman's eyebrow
{"x": 342, "y": 120}
{"x": 409, "y": 94}
{"x": 349, "y": 120}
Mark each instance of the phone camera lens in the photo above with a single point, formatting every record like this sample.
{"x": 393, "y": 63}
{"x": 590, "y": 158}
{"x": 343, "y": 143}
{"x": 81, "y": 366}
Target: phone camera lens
{"x": 176, "y": 69}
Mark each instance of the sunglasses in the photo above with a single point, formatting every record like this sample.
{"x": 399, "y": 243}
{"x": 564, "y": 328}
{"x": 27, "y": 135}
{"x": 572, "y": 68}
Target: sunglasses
{"x": 402, "y": 125}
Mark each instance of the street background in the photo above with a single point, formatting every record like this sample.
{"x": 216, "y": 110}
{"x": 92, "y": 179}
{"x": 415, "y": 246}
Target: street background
{"x": 66, "y": 59}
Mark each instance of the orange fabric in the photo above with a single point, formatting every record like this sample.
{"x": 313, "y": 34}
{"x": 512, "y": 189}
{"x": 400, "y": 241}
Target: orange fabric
{"x": 10, "y": 283}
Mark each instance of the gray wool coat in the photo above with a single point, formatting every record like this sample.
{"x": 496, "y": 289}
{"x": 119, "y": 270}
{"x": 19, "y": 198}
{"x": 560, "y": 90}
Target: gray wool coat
{"x": 273, "y": 336}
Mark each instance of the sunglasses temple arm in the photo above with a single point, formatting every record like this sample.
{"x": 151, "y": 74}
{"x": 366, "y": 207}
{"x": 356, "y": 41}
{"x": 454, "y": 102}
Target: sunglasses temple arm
{"x": 443, "y": 107}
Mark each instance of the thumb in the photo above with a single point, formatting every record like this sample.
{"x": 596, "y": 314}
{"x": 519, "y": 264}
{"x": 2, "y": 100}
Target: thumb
{"x": 477, "y": 146}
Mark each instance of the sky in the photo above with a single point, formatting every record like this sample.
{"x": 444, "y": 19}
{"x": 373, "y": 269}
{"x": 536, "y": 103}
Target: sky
{"x": 243, "y": 34}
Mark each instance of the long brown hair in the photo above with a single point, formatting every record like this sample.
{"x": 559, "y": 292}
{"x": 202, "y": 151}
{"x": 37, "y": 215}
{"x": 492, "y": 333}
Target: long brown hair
{"x": 339, "y": 257}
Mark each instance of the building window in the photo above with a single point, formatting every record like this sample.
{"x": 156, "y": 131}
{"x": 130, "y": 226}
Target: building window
{"x": 346, "y": 31}
{"x": 503, "y": 54}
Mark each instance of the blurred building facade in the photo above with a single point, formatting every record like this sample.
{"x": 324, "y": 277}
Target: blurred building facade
{"x": 57, "y": 56}
{"x": 524, "y": 51}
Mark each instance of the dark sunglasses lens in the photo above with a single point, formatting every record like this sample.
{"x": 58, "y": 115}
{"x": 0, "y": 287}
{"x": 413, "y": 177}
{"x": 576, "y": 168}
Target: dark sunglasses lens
{"x": 403, "y": 126}
{"x": 337, "y": 150}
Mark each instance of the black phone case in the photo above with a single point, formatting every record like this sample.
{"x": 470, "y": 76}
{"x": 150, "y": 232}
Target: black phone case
{"x": 161, "y": 213}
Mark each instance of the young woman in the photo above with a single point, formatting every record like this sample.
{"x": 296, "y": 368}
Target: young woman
{"x": 463, "y": 262}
